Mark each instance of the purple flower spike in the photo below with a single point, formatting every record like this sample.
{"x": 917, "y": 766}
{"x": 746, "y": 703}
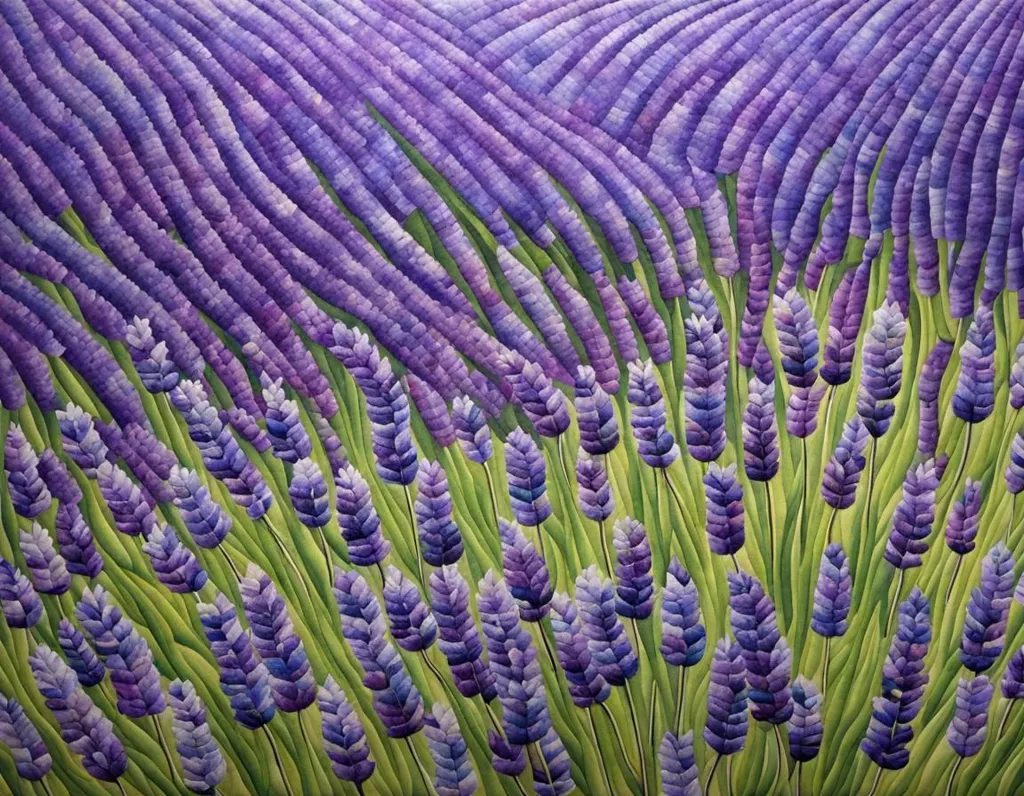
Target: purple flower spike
{"x": 248, "y": 429}
{"x": 46, "y": 567}
{"x": 28, "y": 492}
{"x": 962, "y": 527}
{"x": 471, "y": 430}
{"x": 83, "y": 726}
{"x": 57, "y": 478}
{"x": 175, "y": 565}
{"x": 454, "y": 772}
{"x": 360, "y": 524}
{"x": 760, "y": 431}
{"x": 1015, "y": 469}
{"x": 610, "y": 648}
{"x": 844, "y": 467}
{"x": 882, "y": 369}
{"x": 634, "y": 591}
{"x": 21, "y": 605}
{"x": 440, "y": 538}
{"x": 201, "y": 760}
{"x": 556, "y": 764}
{"x": 805, "y": 730}
{"x": 655, "y": 443}
{"x": 1016, "y": 377}
{"x": 508, "y": 760}
{"x": 135, "y": 679}
{"x": 308, "y": 493}
{"x": 156, "y": 370}
{"x": 81, "y": 440}
{"x": 32, "y": 761}
{"x": 244, "y": 678}
{"x": 131, "y": 511}
{"x": 586, "y": 685}
{"x": 679, "y": 775}
{"x": 1013, "y": 677}
{"x": 967, "y": 731}
{"x": 798, "y": 339}
{"x": 844, "y": 319}
{"x": 832, "y": 594}
{"x": 594, "y": 489}
{"x": 595, "y": 414}
{"x": 79, "y": 654}
{"x": 432, "y": 409}
{"x": 208, "y": 523}
{"x": 913, "y": 518}
{"x": 413, "y": 627}
{"x": 102, "y": 620}
{"x": 928, "y": 386}
{"x": 513, "y": 661}
{"x": 395, "y": 699}
{"x": 527, "y": 479}
{"x": 526, "y": 573}
{"x": 762, "y": 363}
{"x": 344, "y": 736}
{"x": 707, "y": 365}
{"x": 683, "y": 638}
{"x": 542, "y": 402}
{"x": 275, "y": 640}
{"x": 726, "y": 728}
{"x": 651, "y": 326}
{"x": 765, "y": 653}
{"x": 459, "y": 638}
{"x": 974, "y": 398}
{"x": 284, "y": 425}
{"x": 77, "y": 546}
{"x": 988, "y": 611}
{"x": 724, "y": 509}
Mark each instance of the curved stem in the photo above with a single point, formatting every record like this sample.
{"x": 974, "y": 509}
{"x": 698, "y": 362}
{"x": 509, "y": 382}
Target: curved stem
{"x": 735, "y": 561}
{"x": 952, "y": 775}
{"x": 380, "y": 571}
{"x": 963, "y": 459}
{"x": 728, "y": 775}
{"x": 288, "y": 557}
{"x": 535, "y": 747}
{"x": 831, "y": 524}
{"x": 874, "y": 785}
{"x": 825, "y": 436}
{"x": 419, "y": 765}
{"x": 804, "y": 499}
{"x": 895, "y": 602}
{"x": 540, "y": 542}
{"x": 824, "y": 674}
{"x": 327, "y": 555}
{"x": 120, "y": 787}
{"x": 547, "y": 648}
{"x": 639, "y": 740}
{"x": 415, "y": 536}
{"x": 605, "y": 550}
{"x": 561, "y": 461}
{"x": 1009, "y": 525}
{"x": 231, "y": 564}
{"x": 165, "y": 747}
{"x": 277, "y": 760}
{"x": 619, "y": 739}
{"x": 491, "y": 492}
{"x": 1006, "y": 718}
{"x": 597, "y": 747}
{"x": 771, "y": 527}
{"x": 782, "y": 759}
{"x": 677, "y": 724}
{"x": 46, "y": 786}
{"x": 868, "y": 531}
{"x": 799, "y": 771}
{"x": 711, "y": 774}
{"x": 952, "y": 579}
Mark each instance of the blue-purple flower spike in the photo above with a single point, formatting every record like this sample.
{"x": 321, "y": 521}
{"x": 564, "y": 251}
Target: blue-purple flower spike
{"x": 683, "y": 637}
{"x": 459, "y": 640}
{"x": 202, "y": 763}
{"x": 542, "y": 402}
{"x": 974, "y": 398}
{"x": 707, "y": 365}
{"x": 454, "y": 772}
{"x": 21, "y": 605}
{"x": 80, "y": 656}
{"x": 153, "y": 363}
{"x": 32, "y": 761}
{"x": 913, "y": 518}
{"x": 1013, "y": 678}
{"x": 509, "y": 760}
{"x": 440, "y": 538}
{"x": 81, "y": 440}
{"x": 135, "y": 679}
{"x": 29, "y": 494}
{"x": 832, "y": 594}
{"x": 344, "y": 736}
{"x": 798, "y": 344}
{"x": 175, "y": 565}
{"x": 610, "y": 647}
{"x": 284, "y": 425}
{"x": 77, "y": 546}
{"x": 358, "y": 519}
{"x": 412, "y": 625}
{"x": 586, "y": 684}
{"x": 58, "y": 480}
{"x": 988, "y": 611}
{"x": 760, "y": 431}
{"x": 634, "y": 584}
{"x": 527, "y": 479}
{"x": 844, "y": 318}
{"x": 962, "y": 525}
{"x": 553, "y": 777}
{"x": 46, "y": 567}
{"x": 928, "y": 386}
{"x": 308, "y": 493}
{"x": 1014, "y": 474}
{"x": 805, "y": 729}
{"x": 655, "y": 443}
{"x": 723, "y": 502}
{"x": 1017, "y": 377}
{"x": 967, "y": 731}
{"x": 595, "y": 414}
{"x": 471, "y": 430}
{"x": 526, "y": 573}
{"x": 205, "y": 520}
{"x": 726, "y": 728}
{"x": 679, "y": 775}
{"x": 595, "y": 491}
{"x": 132, "y": 513}
{"x": 881, "y": 369}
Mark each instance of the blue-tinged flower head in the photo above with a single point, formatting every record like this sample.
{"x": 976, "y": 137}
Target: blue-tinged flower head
{"x": 344, "y": 736}
{"x": 610, "y": 648}
{"x": 1017, "y": 377}
{"x": 202, "y": 763}
{"x": 80, "y": 656}
{"x": 595, "y": 414}
{"x": 459, "y": 639}
{"x": 707, "y": 365}
{"x": 308, "y": 492}
{"x": 595, "y": 491}
{"x": 454, "y": 775}
{"x": 80, "y": 439}
{"x": 527, "y": 479}
{"x": 513, "y": 661}
{"x": 77, "y": 546}
{"x": 988, "y": 611}
{"x": 679, "y": 776}
{"x": 284, "y": 425}
{"x": 46, "y": 567}
{"x": 634, "y": 589}
{"x": 21, "y": 605}
{"x": 1015, "y": 469}
{"x": 648, "y": 321}
{"x": 29, "y": 494}
{"x": 244, "y": 678}
{"x": 683, "y": 637}
{"x": 844, "y": 319}
{"x": 204, "y": 518}
{"x": 928, "y": 386}
{"x": 432, "y": 409}
{"x": 132, "y": 513}
{"x": 832, "y": 594}
{"x": 881, "y": 368}
{"x": 413, "y": 626}
{"x": 175, "y": 565}
{"x": 1013, "y": 677}
{"x": 655, "y": 443}
{"x": 725, "y": 730}
{"x": 702, "y": 301}
{"x": 723, "y": 509}
{"x": 526, "y": 573}
{"x": 58, "y": 480}
{"x": 542, "y": 402}
{"x": 276, "y": 642}
{"x": 967, "y": 730}
{"x": 360, "y": 524}
{"x": 32, "y": 761}
{"x": 974, "y": 398}
{"x": 586, "y": 684}
{"x": 798, "y": 339}
{"x": 156, "y": 369}
{"x": 83, "y": 727}
{"x": 760, "y": 431}
{"x": 762, "y": 363}
{"x": 765, "y": 653}
{"x": 507, "y": 759}
{"x": 802, "y": 411}
{"x": 553, "y": 777}
{"x": 962, "y": 526}
{"x": 471, "y": 430}
{"x": 102, "y": 620}
{"x": 247, "y": 427}
{"x": 913, "y": 518}
{"x": 396, "y": 700}
{"x": 805, "y": 730}
{"x": 135, "y": 679}
{"x": 844, "y": 467}
{"x": 440, "y": 538}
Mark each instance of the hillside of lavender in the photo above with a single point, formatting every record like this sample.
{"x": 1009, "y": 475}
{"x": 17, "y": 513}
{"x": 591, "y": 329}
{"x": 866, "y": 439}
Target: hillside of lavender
{"x": 428, "y": 397}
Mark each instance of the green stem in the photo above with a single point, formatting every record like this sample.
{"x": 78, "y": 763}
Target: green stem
{"x": 491, "y": 492}
{"x": 327, "y": 555}
{"x": 415, "y": 536}
{"x": 1006, "y": 718}
{"x": 771, "y": 527}
{"x": 597, "y": 747}
{"x": 605, "y": 550}
{"x": 831, "y": 524}
{"x": 1009, "y": 525}
{"x": 419, "y": 765}
{"x": 231, "y": 564}
{"x": 120, "y": 787}
{"x": 618, "y": 737}
{"x": 804, "y": 499}
{"x": 952, "y": 775}
{"x": 163, "y": 745}
{"x": 952, "y": 579}
{"x": 46, "y": 787}
{"x": 963, "y": 460}
{"x": 677, "y": 724}
{"x": 536, "y": 750}
{"x": 711, "y": 774}
{"x": 824, "y": 674}
{"x": 277, "y": 760}
{"x": 782, "y": 759}
{"x": 895, "y": 602}
{"x": 639, "y": 740}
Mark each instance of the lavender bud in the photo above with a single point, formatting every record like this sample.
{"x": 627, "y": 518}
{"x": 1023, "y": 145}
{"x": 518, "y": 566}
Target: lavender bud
{"x": 542, "y": 402}
{"x": 683, "y": 638}
{"x": 760, "y": 431}
{"x": 46, "y": 567}
{"x": 651, "y": 326}
{"x": 595, "y": 491}
{"x": 246, "y": 427}
{"x": 595, "y": 414}
{"x": 842, "y": 472}
{"x": 471, "y": 430}
{"x": 21, "y": 605}
{"x": 57, "y": 478}
{"x": 707, "y": 365}
{"x": 635, "y": 585}
{"x": 343, "y": 734}
{"x": 526, "y": 573}
{"x": 308, "y": 493}
{"x": 360, "y": 524}
{"x": 967, "y": 731}
{"x": 527, "y": 479}
{"x": 412, "y": 625}
{"x": 102, "y": 620}
{"x": 805, "y": 730}
{"x": 459, "y": 638}
{"x": 79, "y": 654}
{"x": 1016, "y": 377}
{"x": 832, "y": 594}
{"x": 655, "y": 443}
{"x": 844, "y": 319}
{"x": 135, "y": 679}
{"x": 962, "y": 526}
{"x": 679, "y": 775}
{"x": 284, "y": 426}
{"x": 913, "y": 518}
{"x": 988, "y": 611}
{"x": 208, "y": 523}
{"x": 928, "y": 386}
{"x": 553, "y": 778}
{"x": 156, "y": 370}
{"x": 32, "y": 761}
{"x": 1015, "y": 469}
{"x": 432, "y": 409}
{"x": 81, "y": 440}
{"x": 798, "y": 339}
{"x": 726, "y": 728}
{"x": 586, "y": 685}
{"x": 201, "y": 759}
{"x": 440, "y": 538}
{"x": 610, "y": 648}
{"x": 802, "y": 411}
{"x": 1013, "y": 677}
{"x": 175, "y": 565}
{"x": 28, "y": 492}
{"x": 724, "y": 509}
{"x": 454, "y": 771}
{"x": 508, "y": 760}
{"x": 132, "y": 513}
{"x": 882, "y": 369}
{"x": 974, "y": 398}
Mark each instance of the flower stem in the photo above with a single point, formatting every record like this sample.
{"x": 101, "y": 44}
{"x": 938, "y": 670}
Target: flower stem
{"x": 677, "y": 724}
{"x": 231, "y": 564}
{"x": 831, "y": 524}
{"x": 639, "y": 739}
{"x": 597, "y": 747}
{"x": 277, "y": 759}
{"x": 804, "y": 499}
{"x": 415, "y": 536}
{"x": 605, "y": 550}
{"x": 1006, "y": 718}
{"x": 619, "y": 739}
{"x": 952, "y": 579}
{"x": 952, "y": 774}
{"x": 1009, "y": 525}
{"x": 163, "y": 745}
{"x": 491, "y": 492}
{"x": 711, "y": 774}
{"x": 419, "y": 765}
{"x": 895, "y": 602}
{"x": 824, "y": 673}
{"x": 782, "y": 759}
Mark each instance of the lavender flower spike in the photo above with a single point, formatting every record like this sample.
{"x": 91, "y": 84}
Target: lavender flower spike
{"x": 308, "y": 493}
{"x": 882, "y": 369}
{"x": 132, "y": 513}
{"x": 454, "y": 771}
{"x": 1017, "y": 377}
{"x": 344, "y": 736}
{"x": 79, "y": 654}
{"x": 208, "y": 523}
{"x": 634, "y": 583}
{"x": 679, "y": 776}
{"x": 28, "y": 492}
{"x": 21, "y": 605}
{"x": 724, "y": 509}
{"x": 17, "y": 732}
{"x": 586, "y": 685}
{"x": 46, "y": 567}
{"x": 201, "y": 760}
{"x": 81, "y": 440}
{"x": 542, "y": 402}
{"x": 1013, "y": 678}
{"x": 655, "y": 443}
{"x": 844, "y": 319}
{"x": 913, "y": 518}
{"x": 928, "y": 386}
{"x": 967, "y": 731}
{"x": 832, "y": 594}
{"x": 507, "y": 759}
{"x": 284, "y": 425}
{"x": 707, "y": 365}
{"x": 988, "y": 611}
{"x": 459, "y": 639}
{"x": 102, "y": 620}
{"x": 156, "y": 370}
{"x": 962, "y": 526}
{"x": 135, "y": 679}
{"x": 527, "y": 479}
{"x": 58, "y": 480}
{"x": 440, "y": 538}
{"x": 360, "y": 524}
{"x": 77, "y": 546}
{"x": 798, "y": 342}
{"x": 760, "y": 431}
{"x": 526, "y": 573}
{"x": 595, "y": 414}
{"x": 683, "y": 637}
{"x": 1015, "y": 469}
{"x": 471, "y": 430}
{"x": 805, "y": 730}
{"x": 175, "y": 565}
{"x": 413, "y": 627}
{"x": 974, "y": 398}
{"x": 556, "y": 764}
{"x": 595, "y": 491}
{"x": 610, "y": 648}
{"x": 726, "y": 728}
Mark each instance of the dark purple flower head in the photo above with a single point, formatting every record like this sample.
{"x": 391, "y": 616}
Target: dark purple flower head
{"x": 28, "y": 492}
{"x": 526, "y": 573}
{"x": 594, "y": 489}
{"x": 1013, "y": 677}
{"x": 133, "y": 515}
{"x": 832, "y": 594}
{"x": 432, "y": 409}
{"x": 201, "y": 760}
{"x": 967, "y": 731}
{"x": 610, "y": 647}
{"x": 724, "y": 509}
{"x": 275, "y": 640}
{"x": 57, "y": 478}
{"x": 928, "y": 386}
{"x": 440, "y": 539}
{"x": 586, "y": 685}
{"x": 284, "y": 425}
{"x": 726, "y": 728}
{"x": 459, "y": 638}
{"x": 21, "y": 605}
{"x": 1015, "y": 469}
{"x": 208, "y": 523}
{"x": 471, "y": 430}
{"x": 1017, "y": 377}
{"x": 454, "y": 772}
{"x": 412, "y": 624}
{"x": 683, "y": 638}
{"x": 156, "y": 369}
{"x": 760, "y": 431}
{"x": 802, "y": 411}
{"x": 844, "y": 319}
{"x": 358, "y": 519}
{"x": 102, "y": 620}
{"x": 77, "y": 546}
{"x": 17, "y": 732}
{"x": 988, "y": 611}
{"x": 81, "y": 440}
{"x": 175, "y": 565}
{"x": 634, "y": 590}
{"x": 46, "y": 567}
{"x": 974, "y": 398}
{"x": 135, "y": 679}
{"x": 79, "y": 654}
{"x": 707, "y": 365}
{"x": 396, "y": 700}
{"x": 805, "y": 730}
{"x": 798, "y": 339}
{"x": 308, "y": 493}
{"x": 881, "y": 368}
{"x": 962, "y": 526}
{"x": 527, "y": 479}
{"x": 762, "y": 363}
{"x": 542, "y": 402}
{"x": 246, "y": 427}
{"x": 553, "y": 777}
{"x": 679, "y": 775}
{"x": 508, "y": 760}
{"x": 913, "y": 518}
{"x": 343, "y": 734}
{"x": 844, "y": 467}
{"x": 655, "y": 443}
{"x": 595, "y": 414}
{"x": 651, "y": 326}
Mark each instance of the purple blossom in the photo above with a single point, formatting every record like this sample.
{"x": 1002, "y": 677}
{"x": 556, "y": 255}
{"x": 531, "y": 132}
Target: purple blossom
{"x": 471, "y": 430}
{"x": 28, "y": 492}
{"x": 526, "y": 573}
{"x": 21, "y": 605}
{"x": 595, "y": 491}
{"x": 724, "y": 509}
{"x": 527, "y": 479}
{"x": 412, "y": 624}
{"x": 1016, "y": 377}
{"x": 655, "y": 443}
{"x": 683, "y": 637}
{"x": 651, "y": 326}
{"x": 679, "y": 775}
{"x": 77, "y": 546}
{"x": 634, "y": 590}
{"x": 247, "y": 427}
{"x": 609, "y": 644}
{"x": 31, "y": 759}
{"x": 798, "y": 339}
{"x": 46, "y": 567}
{"x": 440, "y": 538}
{"x": 507, "y": 759}
{"x": 928, "y": 386}
{"x": 201, "y": 760}
{"x": 132, "y": 513}
{"x": 913, "y": 517}
{"x": 988, "y": 611}
{"x": 726, "y": 728}
{"x": 760, "y": 431}
{"x": 556, "y": 764}
{"x": 454, "y": 772}
{"x": 344, "y": 736}
{"x": 967, "y": 731}
{"x": 308, "y": 493}
{"x": 805, "y": 730}
{"x": 974, "y": 398}
{"x": 459, "y": 638}
{"x": 962, "y": 526}
{"x": 595, "y": 414}
{"x": 79, "y": 654}
{"x": 832, "y": 594}
{"x": 842, "y": 472}
{"x": 1015, "y": 469}
{"x": 81, "y": 440}
{"x": 762, "y": 363}
{"x": 586, "y": 684}
{"x": 1013, "y": 677}
{"x": 844, "y": 319}
{"x": 102, "y": 620}
{"x": 432, "y": 409}
{"x": 205, "y": 520}
{"x": 284, "y": 425}
{"x": 156, "y": 369}
{"x": 881, "y": 369}
{"x": 57, "y": 478}
{"x": 707, "y": 365}
{"x": 360, "y": 524}
{"x": 542, "y": 402}
{"x": 802, "y": 411}
{"x": 175, "y": 565}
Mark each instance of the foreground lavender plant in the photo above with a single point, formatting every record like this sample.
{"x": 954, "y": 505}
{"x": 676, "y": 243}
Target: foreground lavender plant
{"x": 962, "y": 525}
{"x": 726, "y": 728}
{"x": 459, "y": 638}
{"x": 29, "y": 494}
{"x": 679, "y": 775}
{"x": 205, "y": 520}
{"x": 595, "y": 414}
{"x": 760, "y": 431}
{"x": 974, "y": 398}
{"x": 156, "y": 370}
{"x": 21, "y": 605}
{"x": 201, "y": 759}
{"x": 526, "y": 573}
{"x": 595, "y": 493}
{"x": 471, "y": 430}
{"x": 543, "y": 404}
{"x": 77, "y": 547}
{"x": 527, "y": 479}
{"x": 683, "y": 637}
{"x": 655, "y": 443}
{"x": 412, "y": 625}
{"x": 928, "y": 386}
{"x": 46, "y": 567}
{"x": 32, "y": 761}
{"x": 344, "y": 737}
{"x": 798, "y": 344}
{"x": 586, "y": 684}
{"x": 552, "y": 776}
{"x": 723, "y": 495}
{"x": 175, "y": 565}
{"x": 832, "y": 598}
{"x": 360, "y": 524}
{"x": 988, "y": 611}
{"x": 80, "y": 656}
{"x": 81, "y": 440}
{"x": 707, "y": 364}
{"x": 882, "y": 369}
{"x": 455, "y": 775}
{"x": 440, "y": 539}
{"x": 967, "y": 730}
{"x": 284, "y": 426}
{"x": 634, "y": 584}
{"x": 805, "y": 730}
{"x": 308, "y": 493}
